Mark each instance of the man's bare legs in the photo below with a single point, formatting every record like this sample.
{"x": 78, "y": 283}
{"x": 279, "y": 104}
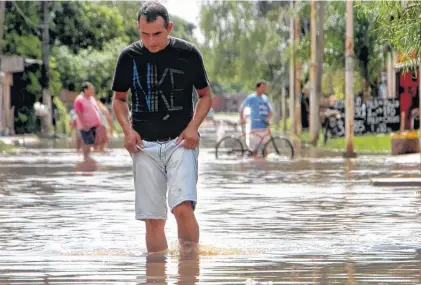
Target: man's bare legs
{"x": 86, "y": 149}
{"x": 188, "y": 230}
{"x": 188, "y": 237}
{"x": 156, "y": 241}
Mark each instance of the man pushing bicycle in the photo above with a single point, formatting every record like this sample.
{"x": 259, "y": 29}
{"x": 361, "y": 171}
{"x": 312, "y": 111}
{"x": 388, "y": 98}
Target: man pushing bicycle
{"x": 260, "y": 116}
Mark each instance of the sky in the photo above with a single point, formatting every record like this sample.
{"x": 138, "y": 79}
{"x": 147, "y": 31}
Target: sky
{"x": 188, "y": 10}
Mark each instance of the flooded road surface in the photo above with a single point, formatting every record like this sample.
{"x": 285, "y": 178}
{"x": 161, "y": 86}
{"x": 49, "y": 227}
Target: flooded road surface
{"x": 309, "y": 221}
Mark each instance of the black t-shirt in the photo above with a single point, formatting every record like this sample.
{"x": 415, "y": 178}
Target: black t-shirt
{"x": 161, "y": 85}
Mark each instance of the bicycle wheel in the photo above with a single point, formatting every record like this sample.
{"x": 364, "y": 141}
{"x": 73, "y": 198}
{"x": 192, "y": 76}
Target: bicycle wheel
{"x": 279, "y": 146}
{"x": 229, "y": 148}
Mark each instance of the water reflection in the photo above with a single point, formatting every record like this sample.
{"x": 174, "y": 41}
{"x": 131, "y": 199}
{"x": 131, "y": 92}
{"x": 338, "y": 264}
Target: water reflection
{"x": 158, "y": 270}
{"x": 87, "y": 166}
{"x": 156, "y": 267}
{"x": 314, "y": 220}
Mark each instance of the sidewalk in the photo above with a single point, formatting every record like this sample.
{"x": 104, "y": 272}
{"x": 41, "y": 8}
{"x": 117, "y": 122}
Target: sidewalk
{"x": 20, "y": 140}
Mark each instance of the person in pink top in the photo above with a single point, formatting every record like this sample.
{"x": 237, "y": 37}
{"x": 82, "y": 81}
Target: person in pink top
{"x": 88, "y": 120}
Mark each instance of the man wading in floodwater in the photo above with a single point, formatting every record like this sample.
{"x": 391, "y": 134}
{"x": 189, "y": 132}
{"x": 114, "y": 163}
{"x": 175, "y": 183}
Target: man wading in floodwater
{"x": 161, "y": 72}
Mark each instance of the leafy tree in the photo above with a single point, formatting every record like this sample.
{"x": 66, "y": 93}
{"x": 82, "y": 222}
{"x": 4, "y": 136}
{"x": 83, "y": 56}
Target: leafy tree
{"x": 245, "y": 41}
{"x": 22, "y": 29}
{"x": 89, "y": 64}
{"x": 80, "y": 25}
{"x": 369, "y": 47}
{"x": 399, "y": 24}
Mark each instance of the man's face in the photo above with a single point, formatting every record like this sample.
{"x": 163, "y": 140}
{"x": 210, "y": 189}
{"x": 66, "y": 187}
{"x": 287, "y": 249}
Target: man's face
{"x": 90, "y": 91}
{"x": 262, "y": 88}
{"x": 154, "y": 35}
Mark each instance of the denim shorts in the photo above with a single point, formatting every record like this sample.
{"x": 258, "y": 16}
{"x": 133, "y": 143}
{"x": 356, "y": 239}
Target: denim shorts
{"x": 88, "y": 137}
{"x": 161, "y": 168}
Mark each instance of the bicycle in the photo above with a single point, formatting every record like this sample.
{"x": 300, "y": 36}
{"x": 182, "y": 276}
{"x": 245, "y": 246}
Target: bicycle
{"x": 235, "y": 147}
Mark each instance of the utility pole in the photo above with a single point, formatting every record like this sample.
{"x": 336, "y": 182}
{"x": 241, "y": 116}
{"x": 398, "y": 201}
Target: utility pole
{"x": 320, "y": 51}
{"x": 46, "y": 97}
{"x": 298, "y": 123}
{"x": 314, "y": 101}
{"x": 349, "y": 93}
{"x": 292, "y": 72}
{"x": 3, "y": 108}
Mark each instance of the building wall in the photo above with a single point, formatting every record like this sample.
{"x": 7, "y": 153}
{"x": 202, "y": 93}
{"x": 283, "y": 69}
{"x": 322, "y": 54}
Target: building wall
{"x": 408, "y": 92}
{"x": 228, "y": 103}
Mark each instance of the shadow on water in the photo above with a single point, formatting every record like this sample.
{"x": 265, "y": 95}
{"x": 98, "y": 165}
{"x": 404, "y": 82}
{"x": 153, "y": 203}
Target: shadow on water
{"x": 314, "y": 220}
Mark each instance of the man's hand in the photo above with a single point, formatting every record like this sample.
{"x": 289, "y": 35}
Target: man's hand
{"x": 131, "y": 139}
{"x": 190, "y": 136}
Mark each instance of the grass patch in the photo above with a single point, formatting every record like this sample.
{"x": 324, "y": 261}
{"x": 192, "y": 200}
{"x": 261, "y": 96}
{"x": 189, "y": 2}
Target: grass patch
{"x": 381, "y": 143}
{"x": 5, "y": 147}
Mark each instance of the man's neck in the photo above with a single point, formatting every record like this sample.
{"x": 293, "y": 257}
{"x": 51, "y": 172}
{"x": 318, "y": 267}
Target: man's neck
{"x": 168, "y": 42}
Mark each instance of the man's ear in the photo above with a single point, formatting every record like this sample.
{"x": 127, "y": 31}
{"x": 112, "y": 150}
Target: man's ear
{"x": 170, "y": 26}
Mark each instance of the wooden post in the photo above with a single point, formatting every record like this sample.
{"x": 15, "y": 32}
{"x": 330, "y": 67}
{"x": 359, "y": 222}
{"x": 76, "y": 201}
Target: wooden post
{"x": 298, "y": 122}
{"x": 314, "y": 102}
{"x": 319, "y": 52}
{"x": 46, "y": 97}
{"x": 292, "y": 72}
{"x": 349, "y": 93}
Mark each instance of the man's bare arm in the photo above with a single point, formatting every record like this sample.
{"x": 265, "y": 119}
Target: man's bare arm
{"x": 121, "y": 111}
{"x": 79, "y": 115}
{"x": 190, "y": 134}
{"x": 241, "y": 115}
{"x": 202, "y": 108}
{"x": 270, "y": 115}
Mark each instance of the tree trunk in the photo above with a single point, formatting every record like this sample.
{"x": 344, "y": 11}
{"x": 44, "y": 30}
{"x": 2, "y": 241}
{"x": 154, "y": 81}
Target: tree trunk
{"x": 314, "y": 101}
{"x": 349, "y": 69}
{"x": 292, "y": 72}
{"x": 46, "y": 98}
{"x": 297, "y": 79}
{"x": 320, "y": 49}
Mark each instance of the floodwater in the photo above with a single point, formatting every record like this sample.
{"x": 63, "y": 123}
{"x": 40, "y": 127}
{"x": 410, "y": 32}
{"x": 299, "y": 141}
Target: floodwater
{"x": 314, "y": 220}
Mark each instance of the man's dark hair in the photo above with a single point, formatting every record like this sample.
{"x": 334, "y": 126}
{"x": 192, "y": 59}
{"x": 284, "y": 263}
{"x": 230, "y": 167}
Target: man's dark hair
{"x": 86, "y": 85}
{"x": 260, "y": 82}
{"x": 151, "y": 10}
